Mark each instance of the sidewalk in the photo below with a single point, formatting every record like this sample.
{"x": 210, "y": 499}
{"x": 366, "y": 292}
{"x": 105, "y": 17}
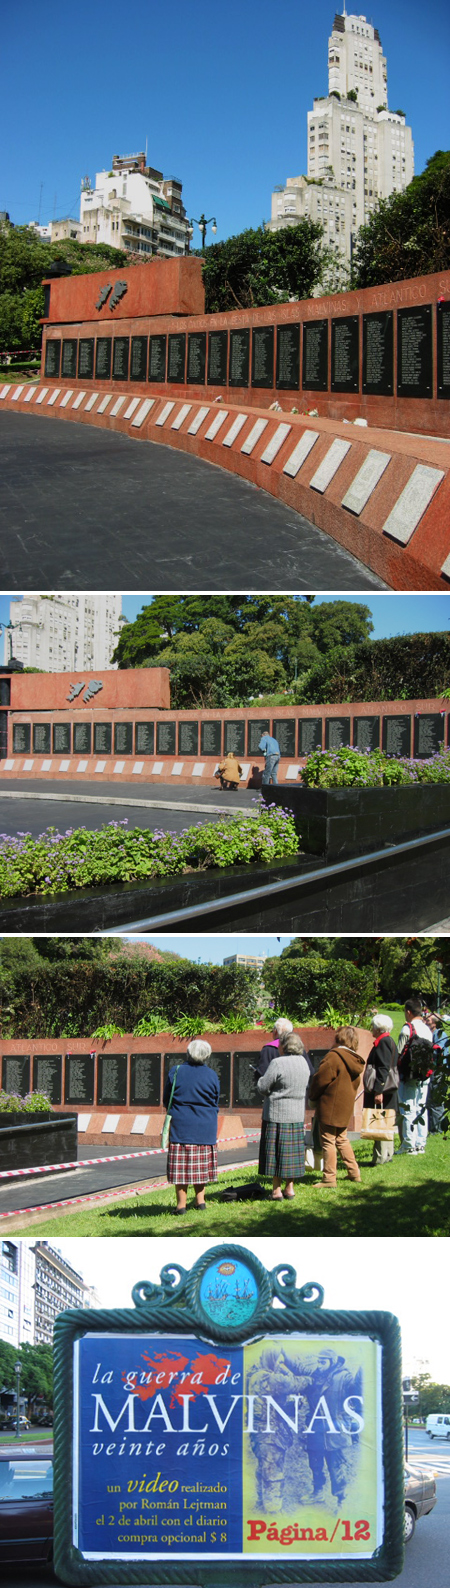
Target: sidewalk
{"x": 163, "y": 796}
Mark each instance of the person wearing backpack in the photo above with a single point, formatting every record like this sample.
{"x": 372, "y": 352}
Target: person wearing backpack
{"x": 415, "y": 1067}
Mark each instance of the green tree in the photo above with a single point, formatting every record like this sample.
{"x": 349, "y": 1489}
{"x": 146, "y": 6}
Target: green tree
{"x": 261, "y": 267}
{"x": 409, "y": 233}
{"x": 25, "y": 261}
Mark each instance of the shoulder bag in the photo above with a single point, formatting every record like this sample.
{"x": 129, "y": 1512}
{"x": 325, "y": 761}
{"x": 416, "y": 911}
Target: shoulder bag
{"x": 165, "y": 1133}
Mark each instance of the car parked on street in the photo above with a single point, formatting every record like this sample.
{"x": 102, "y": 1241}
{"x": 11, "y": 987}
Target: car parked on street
{"x": 26, "y": 1502}
{"x": 420, "y": 1496}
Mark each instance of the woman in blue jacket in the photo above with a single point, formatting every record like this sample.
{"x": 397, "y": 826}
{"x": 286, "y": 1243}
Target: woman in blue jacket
{"x": 192, "y": 1156}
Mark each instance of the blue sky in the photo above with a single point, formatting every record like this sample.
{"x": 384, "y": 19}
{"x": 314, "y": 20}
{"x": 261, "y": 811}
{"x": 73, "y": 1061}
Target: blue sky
{"x": 391, "y": 613}
{"x": 216, "y": 947}
{"x": 221, "y": 94}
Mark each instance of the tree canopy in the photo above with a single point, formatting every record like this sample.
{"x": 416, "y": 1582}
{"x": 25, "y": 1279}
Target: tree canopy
{"x": 409, "y": 233}
{"x": 25, "y": 260}
{"x": 259, "y": 267}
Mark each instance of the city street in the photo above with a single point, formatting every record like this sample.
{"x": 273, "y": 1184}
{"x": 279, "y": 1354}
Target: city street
{"x": 426, "y": 1559}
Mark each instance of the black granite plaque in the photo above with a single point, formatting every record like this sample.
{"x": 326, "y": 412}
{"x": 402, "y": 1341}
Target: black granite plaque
{"x": 239, "y": 358}
{"x": 47, "y": 1075}
{"x": 188, "y": 738}
{"x": 337, "y": 732}
{"x": 121, "y": 354}
{"x": 123, "y": 738}
{"x": 443, "y": 349}
{"x": 61, "y": 738}
{"x": 138, "y": 358}
{"x": 145, "y": 1079}
{"x": 283, "y": 729}
{"x": 316, "y": 1055}
{"x": 196, "y": 360}
{"x": 309, "y": 735}
{"x": 397, "y": 735}
{"x": 245, "y": 1091}
{"x": 42, "y": 734}
{"x": 378, "y": 354}
{"x": 157, "y": 358}
{"x": 5, "y": 691}
{"x": 16, "y": 1074}
{"x": 86, "y": 358}
{"x": 165, "y": 738}
{"x": 211, "y": 738}
{"x": 217, "y": 358}
{"x": 345, "y": 353}
{"x": 177, "y": 357}
{"x": 220, "y": 1062}
{"x": 82, "y": 738}
{"x": 262, "y": 355}
{"x": 315, "y": 355}
{"x": 144, "y": 738}
{"x": 69, "y": 358}
{"x": 234, "y": 737}
{"x": 102, "y": 738}
{"x": 79, "y": 1078}
{"x": 103, "y": 350}
{"x": 288, "y": 358}
{"x": 21, "y": 738}
{"x": 255, "y": 732}
{"x": 53, "y": 357}
{"x": 415, "y": 352}
{"x": 429, "y": 733}
{"x": 366, "y": 733}
{"x": 111, "y": 1079}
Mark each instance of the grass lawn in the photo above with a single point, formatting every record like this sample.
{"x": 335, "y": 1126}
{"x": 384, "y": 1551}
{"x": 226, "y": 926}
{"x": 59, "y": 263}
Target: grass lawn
{"x": 27, "y": 1436}
{"x": 410, "y": 1196}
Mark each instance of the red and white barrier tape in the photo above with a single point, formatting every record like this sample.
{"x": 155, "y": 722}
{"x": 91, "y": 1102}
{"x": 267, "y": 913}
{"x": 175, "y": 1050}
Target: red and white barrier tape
{"x": 102, "y": 1196}
{"x": 120, "y": 1157}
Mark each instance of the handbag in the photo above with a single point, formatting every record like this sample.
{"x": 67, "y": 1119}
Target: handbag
{"x": 378, "y": 1124}
{"x": 165, "y": 1133}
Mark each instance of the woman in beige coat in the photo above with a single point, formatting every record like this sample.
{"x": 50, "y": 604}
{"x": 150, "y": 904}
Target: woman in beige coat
{"x": 334, "y": 1088}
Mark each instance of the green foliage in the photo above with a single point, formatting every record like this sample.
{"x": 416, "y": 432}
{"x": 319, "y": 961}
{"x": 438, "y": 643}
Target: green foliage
{"x": 25, "y": 260}
{"x": 405, "y": 667}
{"x": 260, "y": 267}
{"x": 346, "y": 768}
{"x": 106, "y": 1033}
{"x": 34, "y": 1103}
{"x": 150, "y": 1026}
{"x": 409, "y": 233}
{"x": 317, "y": 988}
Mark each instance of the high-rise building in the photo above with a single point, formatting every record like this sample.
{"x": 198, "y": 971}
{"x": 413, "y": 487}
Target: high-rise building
{"x": 16, "y": 1293}
{"x": 57, "y": 1287}
{"x": 136, "y": 208}
{"x": 249, "y": 961}
{"x": 359, "y": 151}
{"x": 64, "y": 632}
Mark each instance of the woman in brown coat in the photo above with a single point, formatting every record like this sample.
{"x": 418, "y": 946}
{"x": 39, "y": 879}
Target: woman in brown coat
{"x": 334, "y": 1088}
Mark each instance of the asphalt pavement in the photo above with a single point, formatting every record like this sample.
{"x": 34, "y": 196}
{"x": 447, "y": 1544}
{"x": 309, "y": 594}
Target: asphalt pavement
{"x": 82, "y": 507}
{"x": 30, "y": 806}
{"x": 426, "y": 1556}
{"x": 39, "y": 1190}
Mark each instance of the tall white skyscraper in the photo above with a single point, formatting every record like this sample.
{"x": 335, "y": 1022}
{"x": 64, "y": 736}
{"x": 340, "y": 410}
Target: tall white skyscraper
{"x": 359, "y": 151}
{"x": 64, "y": 632}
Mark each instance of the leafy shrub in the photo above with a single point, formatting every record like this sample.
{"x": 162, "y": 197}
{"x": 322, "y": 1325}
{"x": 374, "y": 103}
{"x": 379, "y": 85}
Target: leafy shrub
{"x": 346, "y": 768}
{"x": 59, "y": 862}
{"x": 106, "y": 1033}
{"x": 33, "y": 1103}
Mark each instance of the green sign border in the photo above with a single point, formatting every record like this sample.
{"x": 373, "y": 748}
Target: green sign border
{"x": 175, "y": 1305}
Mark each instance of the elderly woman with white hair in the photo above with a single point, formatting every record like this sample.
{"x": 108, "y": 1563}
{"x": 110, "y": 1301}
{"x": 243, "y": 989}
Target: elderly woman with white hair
{"x": 381, "y": 1078}
{"x": 192, "y": 1155}
{"x": 283, "y": 1088}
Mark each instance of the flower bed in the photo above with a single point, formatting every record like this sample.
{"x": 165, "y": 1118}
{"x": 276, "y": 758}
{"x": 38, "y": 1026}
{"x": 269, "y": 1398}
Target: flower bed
{"x": 346, "y": 768}
{"x": 57, "y": 863}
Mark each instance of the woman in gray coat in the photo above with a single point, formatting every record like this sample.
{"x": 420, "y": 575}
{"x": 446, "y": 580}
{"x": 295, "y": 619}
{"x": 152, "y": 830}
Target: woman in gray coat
{"x": 283, "y": 1087}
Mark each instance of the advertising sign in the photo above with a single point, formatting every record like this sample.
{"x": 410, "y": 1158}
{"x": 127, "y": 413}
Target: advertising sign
{"x": 209, "y": 1426}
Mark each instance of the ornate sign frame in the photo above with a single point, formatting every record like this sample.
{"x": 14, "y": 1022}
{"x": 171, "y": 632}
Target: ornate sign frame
{"x": 264, "y": 1305}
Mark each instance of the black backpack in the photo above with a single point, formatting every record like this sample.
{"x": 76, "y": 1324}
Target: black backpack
{"x": 416, "y": 1060}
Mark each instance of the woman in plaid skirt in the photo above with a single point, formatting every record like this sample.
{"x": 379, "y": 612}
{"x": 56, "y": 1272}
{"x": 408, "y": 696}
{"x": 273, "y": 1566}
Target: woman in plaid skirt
{"x": 192, "y": 1156}
{"x": 282, "y": 1152}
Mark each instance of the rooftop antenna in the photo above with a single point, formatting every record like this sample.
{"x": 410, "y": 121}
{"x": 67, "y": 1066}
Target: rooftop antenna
{"x": 40, "y": 202}
{"x": 146, "y": 146}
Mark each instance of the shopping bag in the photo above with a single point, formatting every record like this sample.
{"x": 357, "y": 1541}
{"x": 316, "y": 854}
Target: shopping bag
{"x": 378, "y": 1124}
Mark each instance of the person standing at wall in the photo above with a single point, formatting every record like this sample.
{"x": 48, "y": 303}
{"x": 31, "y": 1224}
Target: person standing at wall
{"x": 334, "y": 1087}
{"x": 271, "y": 751}
{"x": 415, "y": 1068}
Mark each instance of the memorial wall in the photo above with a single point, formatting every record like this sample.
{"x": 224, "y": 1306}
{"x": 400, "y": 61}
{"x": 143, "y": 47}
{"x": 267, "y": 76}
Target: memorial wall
{"x": 382, "y": 353}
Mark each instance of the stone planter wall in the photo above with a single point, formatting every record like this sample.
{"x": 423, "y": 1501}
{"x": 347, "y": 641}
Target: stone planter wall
{"x": 28, "y": 1140}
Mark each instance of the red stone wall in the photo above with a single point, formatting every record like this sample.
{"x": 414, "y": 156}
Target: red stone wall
{"x": 43, "y": 692}
{"x": 162, "y": 286}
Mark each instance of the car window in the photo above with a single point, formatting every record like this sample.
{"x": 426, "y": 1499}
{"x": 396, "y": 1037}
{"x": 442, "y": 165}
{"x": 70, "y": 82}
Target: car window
{"x": 24, "y": 1480}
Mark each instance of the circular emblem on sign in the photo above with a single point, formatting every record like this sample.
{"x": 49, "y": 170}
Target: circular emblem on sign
{"x": 228, "y": 1293}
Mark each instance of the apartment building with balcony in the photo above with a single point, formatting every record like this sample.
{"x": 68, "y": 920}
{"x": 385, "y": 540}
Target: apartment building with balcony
{"x": 135, "y": 208}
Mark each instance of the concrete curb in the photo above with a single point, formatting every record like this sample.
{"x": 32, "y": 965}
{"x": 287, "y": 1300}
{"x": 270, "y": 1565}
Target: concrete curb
{"x": 113, "y": 799}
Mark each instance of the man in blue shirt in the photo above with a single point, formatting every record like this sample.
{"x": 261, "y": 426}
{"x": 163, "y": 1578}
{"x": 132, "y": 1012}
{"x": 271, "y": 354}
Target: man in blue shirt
{"x": 271, "y": 752}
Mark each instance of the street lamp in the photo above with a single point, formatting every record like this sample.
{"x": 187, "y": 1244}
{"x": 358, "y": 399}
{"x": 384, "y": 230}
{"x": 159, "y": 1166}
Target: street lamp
{"x": 203, "y": 223}
{"x": 17, "y": 1370}
{"x": 8, "y": 629}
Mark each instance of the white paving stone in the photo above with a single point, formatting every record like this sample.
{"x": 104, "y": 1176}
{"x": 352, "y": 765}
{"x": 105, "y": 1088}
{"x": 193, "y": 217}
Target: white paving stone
{"x": 139, "y": 1125}
{"x": 4, "y": 392}
{"x": 216, "y": 424}
{"x": 365, "y": 480}
{"x": 292, "y": 771}
{"x": 177, "y": 768}
{"x": 300, "y": 453}
{"x": 198, "y": 768}
{"x": 276, "y": 441}
{"x": 411, "y": 505}
{"x": 79, "y": 399}
{"x": 82, "y": 766}
{"x": 64, "y": 766}
{"x": 330, "y": 464}
{"x": 100, "y": 766}
{"x": 53, "y": 395}
{"x": 148, "y": 403}
{"x": 17, "y": 393}
{"x": 257, "y": 430}
{"x": 46, "y": 766}
{"x": 83, "y": 1122}
{"x": 67, "y": 396}
{"x": 161, "y": 420}
{"x": 234, "y": 430}
{"x": 91, "y": 400}
{"x": 201, "y": 414}
{"x": 28, "y": 765}
{"x": 181, "y": 416}
{"x": 157, "y": 767}
{"x": 117, "y": 406}
{"x": 131, "y": 408}
{"x": 138, "y": 766}
{"x": 30, "y": 394}
{"x": 104, "y": 404}
{"x": 110, "y": 1124}
{"x": 245, "y": 769}
{"x": 8, "y": 766}
{"x": 119, "y": 766}
{"x": 446, "y": 567}
{"x": 42, "y": 394}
